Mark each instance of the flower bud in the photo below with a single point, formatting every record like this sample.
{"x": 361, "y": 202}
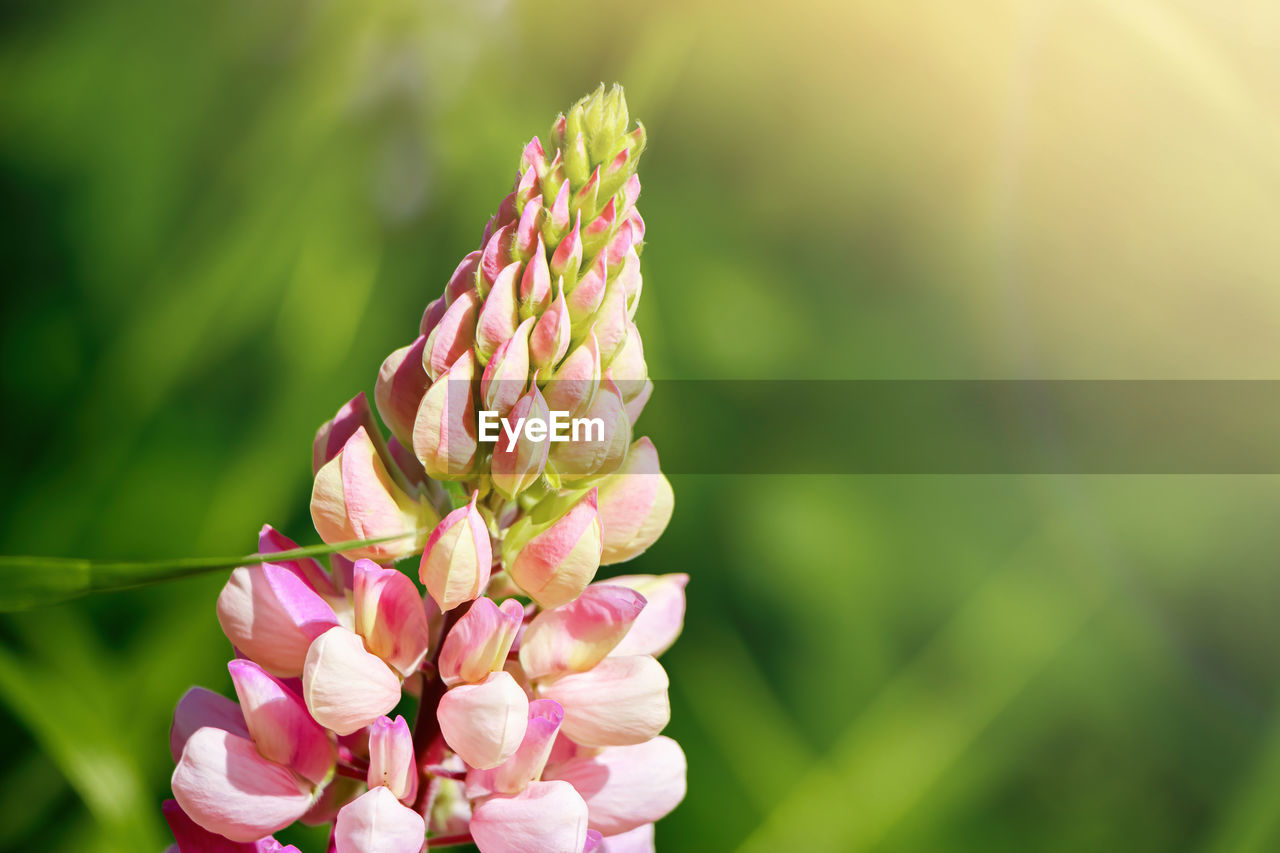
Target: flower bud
{"x": 627, "y": 369}
{"x": 376, "y": 822}
{"x": 463, "y": 278}
{"x": 577, "y": 162}
{"x": 390, "y": 617}
{"x": 402, "y": 381}
{"x": 635, "y": 504}
{"x": 611, "y": 322}
{"x": 599, "y": 229}
{"x": 432, "y": 314}
{"x": 588, "y": 292}
{"x": 345, "y": 687}
{"x": 519, "y": 458}
{"x": 600, "y": 450}
{"x": 549, "y": 817}
{"x": 279, "y": 724}
{"x": 567, "y": 258}
{"x": 559, "y": 218}
{"x": 458, "y": 557}
{"x": 619, "y": 702}
{"x": 391, "y": 760}
{"x": 662, "y": 619}
{"x": 626, "y": 787}
{"x": 535, "y": 281}
{"x": 527, "y": 183}
{"x": 578, "y": 635}
{"x": 200, "y": 707}
{"x": 484, "y": 723}
{"x": 527, "y": 232}
{"x": 478, "y": 644}
{"x": 514, "y": 775}
{"x": 444, "y": 432}
{"x": 227, "y": 787}
{"x": 572, "y": 387}
{"x": 496, "y": 255}
{"x": 553, "y": 555}
{"x": 336, "y": 432}
{"x": 549, "y": 341}
{"x": 638, "y": 840}
{"x": 354, "y": 497}
{"x": 452, "y": 336}
{"x": 507, "y": 373}
{"x": 499, "y": 315}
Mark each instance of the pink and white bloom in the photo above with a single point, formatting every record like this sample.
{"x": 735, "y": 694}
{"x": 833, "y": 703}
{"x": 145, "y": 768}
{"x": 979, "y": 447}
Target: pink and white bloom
{"x": 458, "y": 557}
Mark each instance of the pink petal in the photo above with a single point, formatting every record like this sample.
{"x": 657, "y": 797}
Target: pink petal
{"x": 279, "y": 724}
{"x": 452, "y": 336}
{"x": 484, "y": 723}
{"x": 499, "y": 315}
{"x": 272, "y": 541}
{"x": 270, "y": 614}
{"x": 548, "y": 817}
{"x": 601, "y": 448}
{"x": 402, "y": 381}
{"x": 578, "y": 635}
{"x": 391, "y": 760}
{"x": 198, "y": 708}
{"x": 627, "y": 786}
{"x": 507, "y": 374}
{"x": 549, "y": 340}
{"x": 390, "y": 617}
{"x": 193, "y": 838}
{"x": 478, "y": 644}
{"x": 662, "y": 619}
{"x": 378, "y": 823}
{"x": 635, "y": 504}
{"x": 572, "y": 387}
{"x": 334, "y": 434}
{"x": 226, "y": 787}
{"x": 444, "y": 432}
{"x": 555, "y": 564}
{"x": 346, "y": 688}
{"x": 621, "y": 701}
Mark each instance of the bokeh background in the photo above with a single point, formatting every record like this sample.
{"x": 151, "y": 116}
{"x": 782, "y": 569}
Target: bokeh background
{"x": 219, "y": 217}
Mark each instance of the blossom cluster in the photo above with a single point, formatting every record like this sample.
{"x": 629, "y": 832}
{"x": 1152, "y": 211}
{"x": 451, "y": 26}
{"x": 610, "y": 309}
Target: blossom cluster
{"x": 539, "y": 698}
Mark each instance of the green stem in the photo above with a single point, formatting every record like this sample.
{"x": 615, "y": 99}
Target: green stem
{"x": 27, "y": 582}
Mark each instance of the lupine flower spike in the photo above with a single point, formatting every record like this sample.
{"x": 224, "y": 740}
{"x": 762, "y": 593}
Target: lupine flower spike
{"x": 540, "y": 701}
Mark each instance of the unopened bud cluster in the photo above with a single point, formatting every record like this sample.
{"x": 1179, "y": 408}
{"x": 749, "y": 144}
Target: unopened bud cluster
{"x": 540, "y": 697}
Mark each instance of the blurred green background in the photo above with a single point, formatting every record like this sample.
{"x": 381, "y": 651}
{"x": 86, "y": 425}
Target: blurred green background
{"x": 219, "y": 217}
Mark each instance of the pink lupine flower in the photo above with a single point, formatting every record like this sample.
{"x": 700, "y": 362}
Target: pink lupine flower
{"x": 390, "y": 618}
{"x": 478, "y": 644}
{"x": 540, "y": 701}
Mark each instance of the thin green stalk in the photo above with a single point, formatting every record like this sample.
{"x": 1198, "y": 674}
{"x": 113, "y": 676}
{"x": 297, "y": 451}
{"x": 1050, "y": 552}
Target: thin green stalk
{"x": 28, "y": 582}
